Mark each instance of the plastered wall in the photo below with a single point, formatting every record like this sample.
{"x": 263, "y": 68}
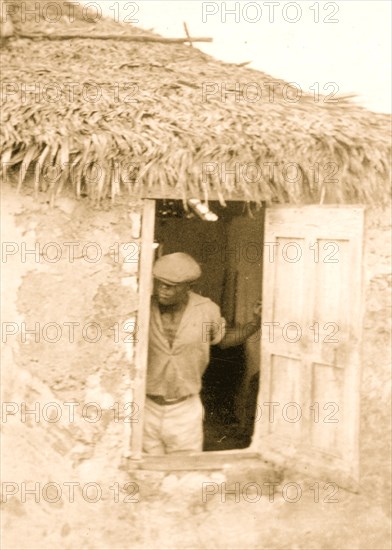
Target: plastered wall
{"x": 68, "y": 320}
{"x": 376, "y": 372}
{"x": 82, "y": 296}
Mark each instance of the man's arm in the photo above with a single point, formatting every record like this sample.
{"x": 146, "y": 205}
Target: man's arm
{"x": 238, "y": 335}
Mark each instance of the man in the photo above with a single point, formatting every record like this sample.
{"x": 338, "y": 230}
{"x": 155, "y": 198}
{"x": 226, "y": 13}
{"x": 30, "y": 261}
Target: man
{"x": 183, "y": 326}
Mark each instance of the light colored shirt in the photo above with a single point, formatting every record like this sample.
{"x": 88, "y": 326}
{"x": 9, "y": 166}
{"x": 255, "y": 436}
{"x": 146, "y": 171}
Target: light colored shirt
{"x": 175, "y": 371}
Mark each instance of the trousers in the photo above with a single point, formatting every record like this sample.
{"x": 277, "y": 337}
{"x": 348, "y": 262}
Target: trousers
{"x": 170, "y": 429}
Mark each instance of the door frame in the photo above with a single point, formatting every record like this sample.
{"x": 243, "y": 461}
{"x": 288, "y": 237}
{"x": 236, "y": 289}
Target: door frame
{"x": 201, "y": 460}
{"x": 191, "y": 461}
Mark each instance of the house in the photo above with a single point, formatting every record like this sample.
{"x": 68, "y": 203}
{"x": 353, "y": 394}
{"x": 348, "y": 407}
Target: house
{"x": 102, "y": 139}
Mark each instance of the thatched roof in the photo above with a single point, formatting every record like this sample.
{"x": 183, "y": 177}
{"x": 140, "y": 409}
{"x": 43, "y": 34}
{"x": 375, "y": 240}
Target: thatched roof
{"x": 148, "y": 124}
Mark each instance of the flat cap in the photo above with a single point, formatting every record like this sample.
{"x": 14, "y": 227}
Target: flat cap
{"x": 176, "y": 268}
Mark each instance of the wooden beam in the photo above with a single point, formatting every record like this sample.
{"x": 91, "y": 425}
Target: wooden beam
{"x": 143, "y": 321}
{"x": 177, "y": 194}
{"x": 208, "y": 460}
{"x": 121, "y": 37}
{"x": 187, "y": 33}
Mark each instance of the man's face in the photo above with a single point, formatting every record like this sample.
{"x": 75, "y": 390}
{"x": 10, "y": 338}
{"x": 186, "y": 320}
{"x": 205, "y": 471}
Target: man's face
{"x": 171, "y": 294}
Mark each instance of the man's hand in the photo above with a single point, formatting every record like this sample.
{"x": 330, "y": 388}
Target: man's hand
{"x": 239, "y": 334}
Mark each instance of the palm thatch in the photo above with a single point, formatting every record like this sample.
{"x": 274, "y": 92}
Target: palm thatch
{"x": 109, "y": 116}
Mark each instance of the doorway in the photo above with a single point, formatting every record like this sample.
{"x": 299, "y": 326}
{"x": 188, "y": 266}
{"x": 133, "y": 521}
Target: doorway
{"x": 230, "y": 252}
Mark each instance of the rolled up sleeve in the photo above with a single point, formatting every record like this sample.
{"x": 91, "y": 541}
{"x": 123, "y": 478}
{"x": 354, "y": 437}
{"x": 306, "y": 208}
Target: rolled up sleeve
{"x": 218, "y": 324}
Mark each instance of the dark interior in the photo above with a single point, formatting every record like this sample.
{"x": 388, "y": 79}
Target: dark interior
{"x": 230, "y": 253}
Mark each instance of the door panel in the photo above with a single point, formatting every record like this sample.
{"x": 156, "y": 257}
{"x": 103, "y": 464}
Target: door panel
{"x": 311, "y": 330}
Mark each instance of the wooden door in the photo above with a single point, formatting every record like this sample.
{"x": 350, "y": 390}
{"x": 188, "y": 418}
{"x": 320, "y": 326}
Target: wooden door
{"x": 308, "y": 406}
